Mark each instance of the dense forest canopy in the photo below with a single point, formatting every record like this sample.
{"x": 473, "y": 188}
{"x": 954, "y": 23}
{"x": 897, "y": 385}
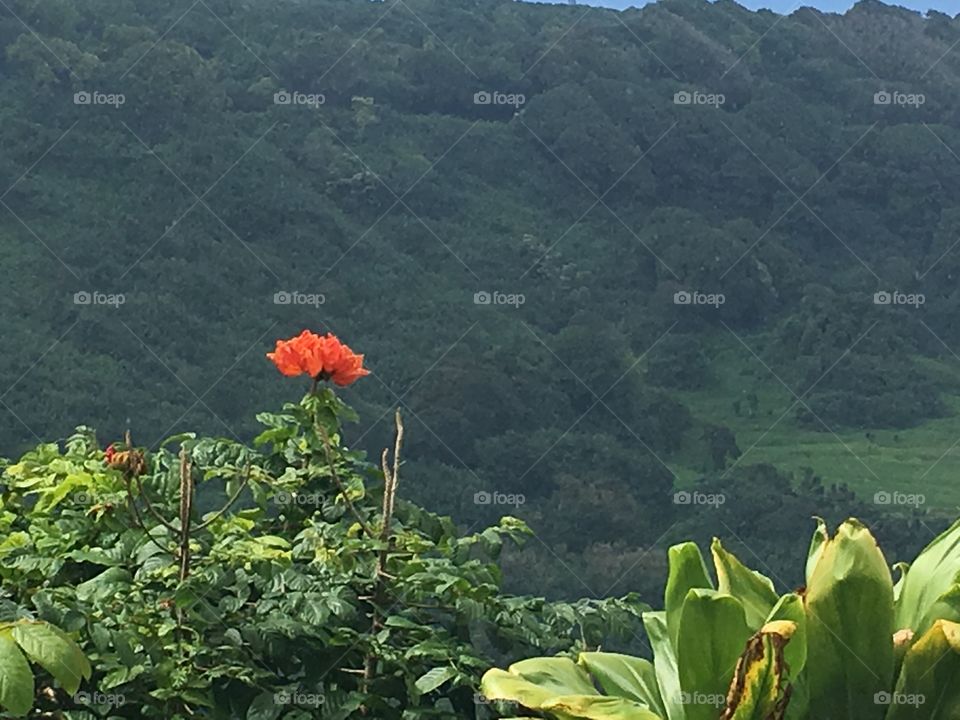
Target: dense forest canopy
{"x": 631, "y": 276}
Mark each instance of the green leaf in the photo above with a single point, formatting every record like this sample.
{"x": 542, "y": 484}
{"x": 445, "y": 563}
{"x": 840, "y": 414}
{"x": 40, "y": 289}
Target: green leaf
{"x": 432, "y": 679}
{"x": 759, "y": 687}
{"x": 536, "y": 681}
{"x": 110, "y": 582}
{"x": 626, "y": 677}
{"x": 713, "y": 633}
{"x": 849, "y": 603}
{"x": 664, "y": 663}
{"x": 790, "y": 608}
{"x": 54, "y": 651}
{"x": 49, "y": 500}
{"x": 820, "y": 537}
{"x": 930, "y": 576}
{"x": 597, "y": 707}
{"x": 264, "y": 707}
{"x": 754, "y": 590}
{"x": 16, "y": 678}
{"x": 929, "y": 682}
{"x": 687, "y": 571}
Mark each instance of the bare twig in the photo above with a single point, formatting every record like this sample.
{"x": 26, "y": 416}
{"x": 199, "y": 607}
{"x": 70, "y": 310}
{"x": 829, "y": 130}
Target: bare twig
{"x": 146, "y": 500}
{"x": 230, "y": 502}
{"x": 391, "y": 478}
{"x": 137, "y": 517}
{"x": 336, "y": 479}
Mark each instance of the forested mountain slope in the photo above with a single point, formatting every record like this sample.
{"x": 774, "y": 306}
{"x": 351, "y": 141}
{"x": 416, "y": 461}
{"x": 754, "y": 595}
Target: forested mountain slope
{"x": 596, "y": 256}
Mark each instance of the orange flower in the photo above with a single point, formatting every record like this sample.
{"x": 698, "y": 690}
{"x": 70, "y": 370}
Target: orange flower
{"x": 322, "y": 357}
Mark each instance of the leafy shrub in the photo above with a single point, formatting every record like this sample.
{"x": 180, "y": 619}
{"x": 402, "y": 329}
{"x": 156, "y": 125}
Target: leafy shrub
{"x": 312, "y": 584}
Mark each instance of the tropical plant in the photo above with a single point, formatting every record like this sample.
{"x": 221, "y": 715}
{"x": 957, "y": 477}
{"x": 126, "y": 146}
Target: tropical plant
{"x": 851, "y": 645}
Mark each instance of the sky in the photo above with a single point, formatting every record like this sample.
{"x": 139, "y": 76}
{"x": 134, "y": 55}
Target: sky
{"x": 951, "y": 7}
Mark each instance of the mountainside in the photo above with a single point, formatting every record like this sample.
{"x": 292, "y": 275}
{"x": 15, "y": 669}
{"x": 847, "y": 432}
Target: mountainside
{"x": 599, "y": 258}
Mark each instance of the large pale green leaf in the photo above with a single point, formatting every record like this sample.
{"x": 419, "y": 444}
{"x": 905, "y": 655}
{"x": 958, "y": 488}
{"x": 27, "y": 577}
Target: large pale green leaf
{"x": 54, "y": 651}
{"x": 759, "y": 687}
{"x": 625, "y": 676}
{"x": 929, "y": 684}
{"x": 16, "y": 677}
{"x": 931, "y": 575}
{"x": 534, "y": 682}
{"x": 751, "y": 588}
{"x": 664, "y": 663}
{"x": 597, "y": 707}
{"x": 687, "y": 571}
{"x": 849, "y": 602}
{"x": 713, "y": 634}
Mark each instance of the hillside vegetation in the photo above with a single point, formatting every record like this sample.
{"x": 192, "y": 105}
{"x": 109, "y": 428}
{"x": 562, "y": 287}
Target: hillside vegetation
{"x": 597, "y": 258}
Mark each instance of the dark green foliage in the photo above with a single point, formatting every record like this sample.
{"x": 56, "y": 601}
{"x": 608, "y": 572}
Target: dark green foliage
{"x": 284, "y": 606}
{"x": 399, "y": 199}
